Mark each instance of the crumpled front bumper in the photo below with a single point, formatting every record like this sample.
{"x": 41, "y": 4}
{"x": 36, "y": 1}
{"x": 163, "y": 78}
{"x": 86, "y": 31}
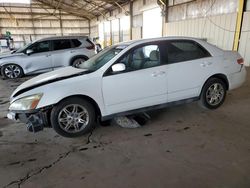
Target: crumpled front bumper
{"x": 35, "y": 120}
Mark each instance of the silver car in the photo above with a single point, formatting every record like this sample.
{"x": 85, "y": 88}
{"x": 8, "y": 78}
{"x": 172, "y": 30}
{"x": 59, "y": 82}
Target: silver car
{"x": 46, "y": 55}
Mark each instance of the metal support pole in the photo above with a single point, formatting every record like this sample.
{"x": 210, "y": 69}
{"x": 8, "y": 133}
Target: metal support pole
{"x": 89, "y": 27}
{"x": 119, "y": 29}
{"x": 111, "y": 33}
{"x": 238, "y": 24}
{"x": 131, "y": 19}
{"x": 60, "y": 19}
{"x": 32, "y": 21}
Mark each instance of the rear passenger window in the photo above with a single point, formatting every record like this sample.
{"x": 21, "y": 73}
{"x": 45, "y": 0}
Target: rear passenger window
{"x": 76, "y": 43}
{"x": 178, "y": 51}
{"x": 61, "y": 44}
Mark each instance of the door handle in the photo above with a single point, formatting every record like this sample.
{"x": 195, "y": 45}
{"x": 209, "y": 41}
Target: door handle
{"x": 160, "y": 73}
{"x": 72, "y": 51}
{"x": 154, "y": 74}
{"x": 205, "y": 64}
{"x": 48, "y": 55}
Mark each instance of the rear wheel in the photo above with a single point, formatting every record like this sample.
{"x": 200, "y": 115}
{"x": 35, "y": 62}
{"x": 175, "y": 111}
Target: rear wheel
{"x": 78, "y": 61}
{"x": 213, "y": 93}
{"x": 73, "y": 117}
{"x": 11, "y": 71}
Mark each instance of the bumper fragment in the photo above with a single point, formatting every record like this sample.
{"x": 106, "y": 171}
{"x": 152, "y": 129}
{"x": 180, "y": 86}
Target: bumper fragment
{"x": 35, "y": 121}
{"x": 11, "y": 116}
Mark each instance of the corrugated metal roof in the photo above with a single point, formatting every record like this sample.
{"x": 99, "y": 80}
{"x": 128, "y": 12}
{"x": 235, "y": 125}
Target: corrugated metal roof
{"x": 84, "y": 8}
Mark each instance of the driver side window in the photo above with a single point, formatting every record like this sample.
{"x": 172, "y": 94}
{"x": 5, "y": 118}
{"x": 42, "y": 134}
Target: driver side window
{"x": 40, "y": 47}
{"x": 142, "y": 58}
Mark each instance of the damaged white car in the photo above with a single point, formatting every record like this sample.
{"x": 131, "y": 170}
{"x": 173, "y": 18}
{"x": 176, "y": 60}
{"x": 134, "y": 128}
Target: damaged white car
{"x": 127, "y": 78}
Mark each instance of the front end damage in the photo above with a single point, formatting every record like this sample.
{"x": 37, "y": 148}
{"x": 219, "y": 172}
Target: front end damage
{"x": 35, "y": 120}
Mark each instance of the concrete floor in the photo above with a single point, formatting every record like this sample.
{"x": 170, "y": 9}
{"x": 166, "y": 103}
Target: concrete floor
{"x": 183, "y": 146}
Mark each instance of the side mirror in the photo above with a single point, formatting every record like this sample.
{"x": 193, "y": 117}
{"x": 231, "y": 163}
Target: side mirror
{"x": 29, "y": 51}
{"x": 119, "y": 67}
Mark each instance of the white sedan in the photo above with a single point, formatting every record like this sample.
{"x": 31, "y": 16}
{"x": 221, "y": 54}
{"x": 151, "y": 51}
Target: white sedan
{"x": 128, "y": 78}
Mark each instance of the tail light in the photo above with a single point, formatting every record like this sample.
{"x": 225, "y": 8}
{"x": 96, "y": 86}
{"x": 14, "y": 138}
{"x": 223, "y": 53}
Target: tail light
{"x": 240, "y": 61}
{"x": 92, "y": 45}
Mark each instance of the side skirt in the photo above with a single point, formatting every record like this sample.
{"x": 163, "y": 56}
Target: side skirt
{"x": 140, "y": 110}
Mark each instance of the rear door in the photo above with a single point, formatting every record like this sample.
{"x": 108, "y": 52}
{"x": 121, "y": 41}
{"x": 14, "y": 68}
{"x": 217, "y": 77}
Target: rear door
{"x": 62, "y": 52}
{"x": 143, "y": 84}
{"x": 189, "y": 64}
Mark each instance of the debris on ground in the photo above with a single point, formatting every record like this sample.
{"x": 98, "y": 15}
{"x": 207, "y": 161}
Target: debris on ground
{"x": 131, "y": 122}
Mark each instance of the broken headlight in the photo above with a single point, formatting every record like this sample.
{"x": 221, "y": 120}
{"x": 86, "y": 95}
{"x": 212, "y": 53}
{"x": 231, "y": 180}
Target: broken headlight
{"x": 26, "y": 103}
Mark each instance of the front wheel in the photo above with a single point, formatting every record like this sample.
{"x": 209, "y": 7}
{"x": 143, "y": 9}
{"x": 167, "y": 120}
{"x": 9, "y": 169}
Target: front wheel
{"x": 11, "y": 71}
{"x": 73, "y": 117}
{"x": 213, "y": 93}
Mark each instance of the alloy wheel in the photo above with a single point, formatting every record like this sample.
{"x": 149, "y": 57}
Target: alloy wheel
{"x": 215, "y": 94}
{"x": 12, "y": 71}
{"x": 73, "y": 118}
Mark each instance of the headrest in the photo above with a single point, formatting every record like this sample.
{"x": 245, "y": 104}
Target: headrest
{"x": 138, "y": 55}
{"x": 154, "y": 55}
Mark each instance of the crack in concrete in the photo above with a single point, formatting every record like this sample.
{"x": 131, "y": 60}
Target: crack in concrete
{"x": 39, "y": 171}
{"x": 29, "y": 175}
{"x": 89, "y": 138}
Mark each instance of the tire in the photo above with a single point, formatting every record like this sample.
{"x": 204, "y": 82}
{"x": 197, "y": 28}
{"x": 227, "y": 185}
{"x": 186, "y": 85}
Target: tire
{"x": 72, "y": 123}
{"x": 213, "y": 93}
{"x": 12, "y": 71}
{"x": 78, "y": 61}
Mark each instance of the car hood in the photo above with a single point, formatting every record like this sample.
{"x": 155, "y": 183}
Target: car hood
{"x": 9, "y": 54}
{"x": 50, "y": 77}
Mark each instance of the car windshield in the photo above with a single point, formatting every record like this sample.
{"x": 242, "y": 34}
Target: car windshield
{"x": 102, "y": 58}
{"x": 20, "y": 50}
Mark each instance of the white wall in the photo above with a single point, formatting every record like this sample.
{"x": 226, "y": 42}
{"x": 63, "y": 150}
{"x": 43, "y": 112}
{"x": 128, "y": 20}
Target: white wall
{"x": 152, "y": 19}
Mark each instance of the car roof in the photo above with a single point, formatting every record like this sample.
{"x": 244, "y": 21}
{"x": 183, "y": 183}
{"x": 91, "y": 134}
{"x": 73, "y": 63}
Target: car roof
{"x": 140, "y": 41}
{"x": 214, "y": 50}
{"x": 61, "y": 37}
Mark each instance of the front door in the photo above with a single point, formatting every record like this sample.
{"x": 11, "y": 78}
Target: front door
{"x": 40, "y": 58}
{"x": 143, "y": 84}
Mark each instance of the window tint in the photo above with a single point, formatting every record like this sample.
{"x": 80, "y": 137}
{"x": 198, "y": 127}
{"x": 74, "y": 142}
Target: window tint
{"x": 143, "y": 57}
{"x": 61, "y": 44}
{"x": 178, "y": 51}
{"x": 76, "y": 43}
{"x": 40, "y": 47}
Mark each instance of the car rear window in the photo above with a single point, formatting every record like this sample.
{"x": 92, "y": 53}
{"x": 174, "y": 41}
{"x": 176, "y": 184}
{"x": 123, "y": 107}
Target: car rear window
{"x": 76, "y": 43}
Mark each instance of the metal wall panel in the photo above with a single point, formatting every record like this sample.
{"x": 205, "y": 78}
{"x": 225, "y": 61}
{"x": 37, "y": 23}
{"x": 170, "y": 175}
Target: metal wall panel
{"x": 201, "y": 8}
{"x": 218, "y": 30}
{"x": 28, "y": 25}
{"x": 248, "y": 5}
{"x": 137, "y": 33}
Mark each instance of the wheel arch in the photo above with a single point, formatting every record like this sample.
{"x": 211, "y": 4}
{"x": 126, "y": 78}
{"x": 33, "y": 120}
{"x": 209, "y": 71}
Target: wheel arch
{"x": 220, "y": 76}
{"x": 11, "y": 63}
{"x": 77, "y": 56}
{"x": 87, "y": 98}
